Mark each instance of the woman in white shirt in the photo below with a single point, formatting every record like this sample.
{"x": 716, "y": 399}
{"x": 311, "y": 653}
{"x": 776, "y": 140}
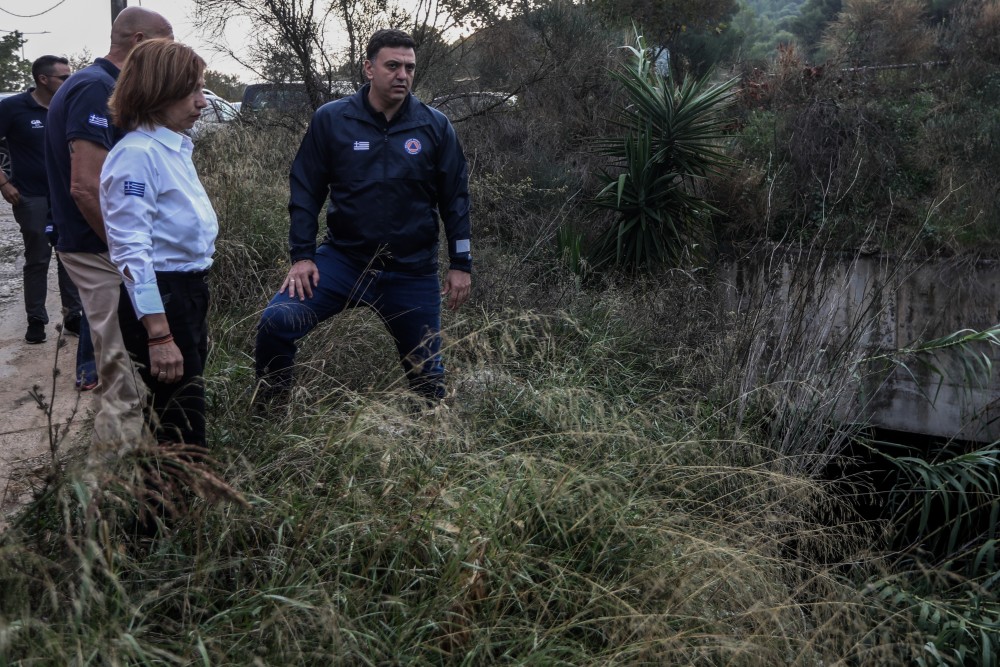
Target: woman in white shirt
{"x": 161, "y": 231}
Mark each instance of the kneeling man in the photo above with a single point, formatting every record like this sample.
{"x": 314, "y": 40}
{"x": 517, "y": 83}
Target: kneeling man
{"x": 390, "y": 165}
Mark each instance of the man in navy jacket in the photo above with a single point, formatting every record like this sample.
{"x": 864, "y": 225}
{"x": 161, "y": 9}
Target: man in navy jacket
{"x": 389, "y": 165}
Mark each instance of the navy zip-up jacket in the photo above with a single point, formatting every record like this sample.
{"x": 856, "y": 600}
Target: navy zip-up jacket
{"x": 386, "y": 185}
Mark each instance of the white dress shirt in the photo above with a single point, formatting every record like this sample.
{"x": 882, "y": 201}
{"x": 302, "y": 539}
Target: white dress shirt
{"x": 156, "y": 212}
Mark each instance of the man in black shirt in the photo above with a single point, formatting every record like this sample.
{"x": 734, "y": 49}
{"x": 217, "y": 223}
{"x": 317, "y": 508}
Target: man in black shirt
{"x": 22, "y": 123}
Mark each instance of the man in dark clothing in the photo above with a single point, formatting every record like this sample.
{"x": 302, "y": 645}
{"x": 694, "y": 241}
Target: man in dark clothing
{"x": 22, "y": 123}
{"x": 79, "y": 136}
{"x": 390, "y": 165}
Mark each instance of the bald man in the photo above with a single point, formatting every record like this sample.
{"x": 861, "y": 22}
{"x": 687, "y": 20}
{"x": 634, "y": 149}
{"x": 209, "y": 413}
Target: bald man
{"x": 79, "y": 135}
